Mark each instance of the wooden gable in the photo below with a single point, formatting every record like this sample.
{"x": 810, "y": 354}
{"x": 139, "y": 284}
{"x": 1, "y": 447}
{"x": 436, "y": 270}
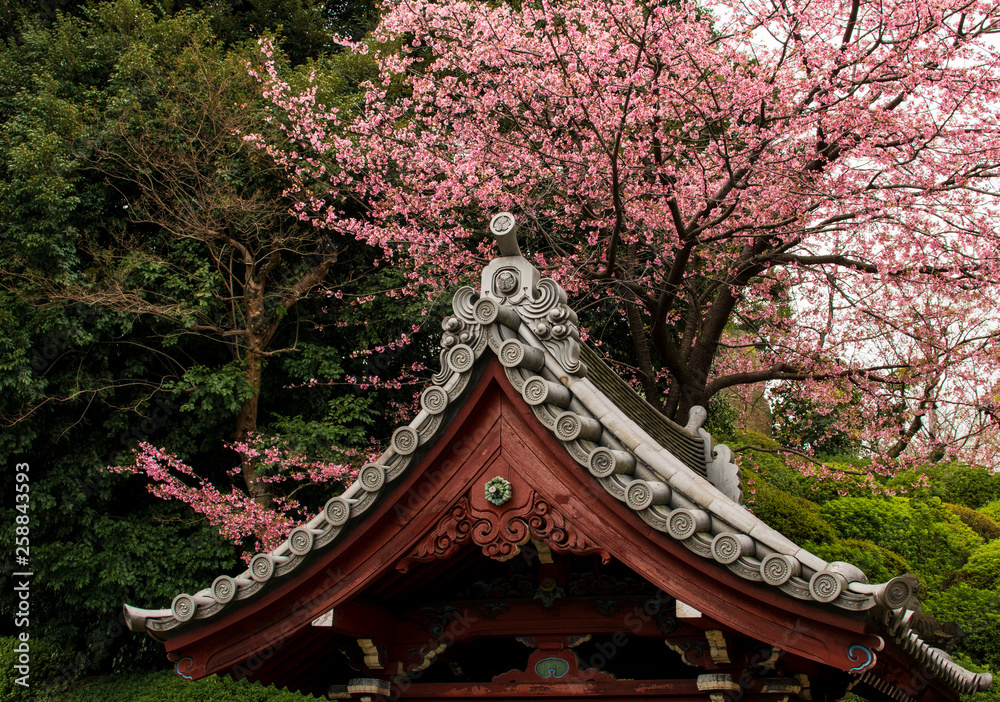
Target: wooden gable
{"x": 534, "y": 533}
{"x": 388, "y": 616}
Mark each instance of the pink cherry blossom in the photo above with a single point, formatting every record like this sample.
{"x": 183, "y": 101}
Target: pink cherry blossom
{"x": 792, "y": 195}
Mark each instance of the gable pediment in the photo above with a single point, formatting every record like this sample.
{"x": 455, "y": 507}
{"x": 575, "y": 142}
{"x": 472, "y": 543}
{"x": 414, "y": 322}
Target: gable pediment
{"x": 579, "y": 470}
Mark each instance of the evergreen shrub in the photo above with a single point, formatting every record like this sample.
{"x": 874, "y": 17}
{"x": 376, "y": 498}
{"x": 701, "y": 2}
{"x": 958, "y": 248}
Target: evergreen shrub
{"x": 978, "y": 613}
{"x": 795, "y": 517}
{"x": 987, "y": 528}
{"x": 983, "y": 567}
{"x": 44, "y": 664}
{"x": 879, "y": 564}
{"x": 165, "y": 686}
{"x": 991, "y": 510}
{"x": 972, "y": 486}
{"x": 924, "y": 532}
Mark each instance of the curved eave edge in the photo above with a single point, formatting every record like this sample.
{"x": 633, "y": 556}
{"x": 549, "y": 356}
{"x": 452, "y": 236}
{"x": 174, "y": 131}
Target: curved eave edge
{"x": 534, "y": 335}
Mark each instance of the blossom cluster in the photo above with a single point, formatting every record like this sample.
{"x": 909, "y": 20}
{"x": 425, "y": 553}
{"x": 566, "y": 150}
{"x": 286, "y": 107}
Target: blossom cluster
{"x": 238, "y": 517}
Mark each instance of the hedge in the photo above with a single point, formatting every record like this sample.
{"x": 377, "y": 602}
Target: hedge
{"x": 983, "y": 567}
{"x": 978, "y": 613}
{"x": 165, "y": 686}
{"x": 796, "y": 518}
{"x": 879, "y": 564}
{"x": 986, "y": 527}
{"x": 925, "y": 533}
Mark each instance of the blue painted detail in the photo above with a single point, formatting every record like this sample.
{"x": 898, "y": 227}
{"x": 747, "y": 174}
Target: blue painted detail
{"x": 693, "y": 651}
{"x": 187, "y": 663}
{"x": 862, "y": 656}
{"x": 551, "y": 668}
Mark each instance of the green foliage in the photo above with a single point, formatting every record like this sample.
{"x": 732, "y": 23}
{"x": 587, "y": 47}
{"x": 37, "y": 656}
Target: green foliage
{"x": 160, "y": 686}
{"x": 971, "y": 486}
{"x": 796, "y": 518}
{"x": 924, "y": 532}
{"x": 220, "y": 389}
{"x": 991, "y": 511}
{"x": 722, "y": 419}
{"x": 83, "y": 380}
{"x": 349, "y": 422}
{"x": 978, "y": 613}
{"x": 770, "y": 466}
{"x": 983, "y": 567}
{"x": 800, "y": 425}
{"x": 44, "y": 663}
{"x": 879, "y": 564}
{"x": 987, "y": 528}
{"x": 773, "y": 467}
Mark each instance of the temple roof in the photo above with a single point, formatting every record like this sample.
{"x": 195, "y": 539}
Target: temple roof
{"x": 674, "y": 478}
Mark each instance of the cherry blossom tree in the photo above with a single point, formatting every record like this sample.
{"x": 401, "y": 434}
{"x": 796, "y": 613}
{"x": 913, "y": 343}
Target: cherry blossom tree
{"x": 775, "y": 193}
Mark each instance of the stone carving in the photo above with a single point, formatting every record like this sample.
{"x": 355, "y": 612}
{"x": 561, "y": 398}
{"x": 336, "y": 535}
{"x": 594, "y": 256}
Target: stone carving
{"x": 183, "y": 607}
{"x": 301, "y": 540}
{"x": 641, "y": 494}
{"x": 721, "y": 471}
{"x": 372, "y": 476}
{"x": 223, "y": 589}
{"x": 685, "y": 523}
{"x": 262, "y": 567}
{"x": 826, "y": 585}
{"x": 540, "y": 302}
{"x": 337, "y": 510}
{"x": 728, "y": 547}
{"x": 434, "y": 400}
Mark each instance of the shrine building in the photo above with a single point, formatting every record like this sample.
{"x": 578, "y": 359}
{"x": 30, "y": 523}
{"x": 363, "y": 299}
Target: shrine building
{"x": 540, "y": 531}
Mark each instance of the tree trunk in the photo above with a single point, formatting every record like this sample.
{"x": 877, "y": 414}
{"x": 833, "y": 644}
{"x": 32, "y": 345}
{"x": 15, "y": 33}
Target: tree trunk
{"x": 246, "y": 424}
{"x": 647, "y": 376}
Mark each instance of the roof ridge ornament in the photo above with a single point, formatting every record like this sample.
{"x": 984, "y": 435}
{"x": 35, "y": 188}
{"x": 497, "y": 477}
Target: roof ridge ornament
{"x": 503, "y": 226}
{"x": 511, "y": 279}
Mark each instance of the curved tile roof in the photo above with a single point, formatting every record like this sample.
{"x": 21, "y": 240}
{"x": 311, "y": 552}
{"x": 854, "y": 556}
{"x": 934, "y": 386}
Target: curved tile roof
{"x": 670, "y": 476}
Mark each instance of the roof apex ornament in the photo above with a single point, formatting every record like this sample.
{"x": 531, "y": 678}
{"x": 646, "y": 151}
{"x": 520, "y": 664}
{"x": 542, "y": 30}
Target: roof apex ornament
{"x": 510, "y": 277}
{"x": 503, "y": 226}
{"x": 511, "y": 280}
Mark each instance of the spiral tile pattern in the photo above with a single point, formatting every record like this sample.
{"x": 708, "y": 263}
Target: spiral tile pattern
{"x": 434, "y": 400}
{"x": 300, "y": 541}
{"x": 461, "y": 357}
{"x": 681, "y": 524}
{"x": 535, "y": 391}
{"x": 337, "y": 511}
{"x": 639, "y": 495}
{"x": 777, "y": 568}
{"x": 405, "y": 441}
{"x": 372, "y": 477}
{"x": 568, "y": 425}
{"x": 826, "y": 586}
{"x": 183, "y": 607}
{"x": 601, "y": 462}
{"x": 511, "y": 353}
{"x": 262, "y": 567}
{"x": 897, "y": 593}
{"x": 486, "y": 311}
{"x": 726, "y": 548}
{"x": 223, "y": 589}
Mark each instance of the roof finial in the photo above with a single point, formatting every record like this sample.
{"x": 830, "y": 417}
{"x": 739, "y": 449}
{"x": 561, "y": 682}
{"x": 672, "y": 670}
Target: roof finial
{"x": 504, "y": 228}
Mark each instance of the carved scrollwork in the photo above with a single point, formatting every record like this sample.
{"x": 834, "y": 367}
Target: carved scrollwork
{"x": 501, "y": 536}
